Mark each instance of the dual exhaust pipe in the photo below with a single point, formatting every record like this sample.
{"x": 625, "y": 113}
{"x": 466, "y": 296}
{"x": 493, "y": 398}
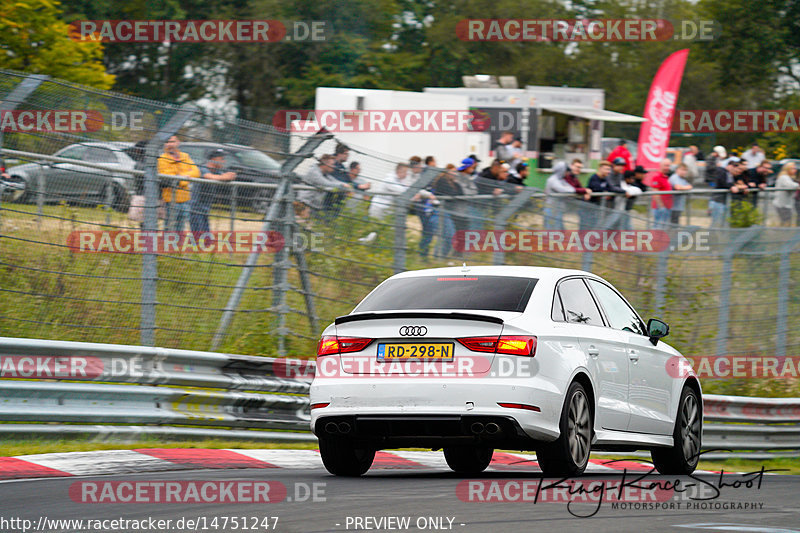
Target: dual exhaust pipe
{"x": 488, "y": 429}
{"x": 342, "y": 427}
{"x": 476, "y": 428}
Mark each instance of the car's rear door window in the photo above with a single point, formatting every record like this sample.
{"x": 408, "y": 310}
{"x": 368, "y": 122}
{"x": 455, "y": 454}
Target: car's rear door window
{"x": 579, "y": 305}
{"x": 491, "y": 293}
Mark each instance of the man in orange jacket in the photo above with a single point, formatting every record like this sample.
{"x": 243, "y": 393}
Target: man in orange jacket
{"x": 176, "y": 196}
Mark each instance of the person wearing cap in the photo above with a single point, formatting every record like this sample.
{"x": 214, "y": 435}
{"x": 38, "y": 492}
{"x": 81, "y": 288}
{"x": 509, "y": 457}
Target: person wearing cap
{"x": 521, "y": 174}
{"x": 713, "y": 161}
{"x": 203, "y": 193}
{"x": 621, "y": 151}
{"x": 466, "y": 179}
{"x": 173, "y": 162}
{"x": 599, "y": 184}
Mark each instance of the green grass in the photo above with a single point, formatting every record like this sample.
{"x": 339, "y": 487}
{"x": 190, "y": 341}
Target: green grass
{"x": 14, "y": 447}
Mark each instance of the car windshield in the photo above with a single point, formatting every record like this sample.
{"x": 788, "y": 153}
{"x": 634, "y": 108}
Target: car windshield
{"x": 491, "y": 293}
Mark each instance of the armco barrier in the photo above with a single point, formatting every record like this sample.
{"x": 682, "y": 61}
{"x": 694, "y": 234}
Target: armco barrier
{"x": 67, "y": 387}
{"x": 71, "y": 387}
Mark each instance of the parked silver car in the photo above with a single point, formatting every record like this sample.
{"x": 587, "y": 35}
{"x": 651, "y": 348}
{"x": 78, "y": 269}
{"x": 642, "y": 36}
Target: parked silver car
{"x": 77, "y": 182}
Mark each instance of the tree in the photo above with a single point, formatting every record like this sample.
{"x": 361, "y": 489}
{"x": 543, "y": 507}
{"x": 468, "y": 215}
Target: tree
{"x": 34, "y": 40}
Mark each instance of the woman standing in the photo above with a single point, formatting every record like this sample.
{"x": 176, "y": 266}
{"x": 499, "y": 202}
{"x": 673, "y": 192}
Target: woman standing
{"x": 784, "y": 200}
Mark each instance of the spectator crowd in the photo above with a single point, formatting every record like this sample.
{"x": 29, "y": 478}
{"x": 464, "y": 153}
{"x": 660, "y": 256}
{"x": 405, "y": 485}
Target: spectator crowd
{"x": 458, "y": 196}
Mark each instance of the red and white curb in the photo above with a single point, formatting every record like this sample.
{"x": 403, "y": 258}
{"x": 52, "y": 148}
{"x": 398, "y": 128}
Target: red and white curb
{"x": 164, "y": 459}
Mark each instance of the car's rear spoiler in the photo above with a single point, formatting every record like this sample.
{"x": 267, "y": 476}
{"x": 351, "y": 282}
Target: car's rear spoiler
{"x": 417, "y": 314}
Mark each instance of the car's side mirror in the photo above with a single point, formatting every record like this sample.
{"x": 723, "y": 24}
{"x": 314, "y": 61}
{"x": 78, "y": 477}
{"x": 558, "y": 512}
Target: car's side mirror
{"x": 657, "y": 329}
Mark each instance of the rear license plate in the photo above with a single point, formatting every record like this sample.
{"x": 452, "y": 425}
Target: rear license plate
{"x": 436, "y": 351}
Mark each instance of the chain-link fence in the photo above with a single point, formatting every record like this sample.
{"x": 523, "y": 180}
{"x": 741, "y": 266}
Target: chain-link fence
{"x": 94, "y": 171}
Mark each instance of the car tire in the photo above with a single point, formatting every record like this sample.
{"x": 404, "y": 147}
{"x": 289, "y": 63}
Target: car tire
{"x": 20, "y": 195}
{"x": 120, "y": 201}
{"x": 342, "y": 458}
{"x": 468, "y": 459}
{"x": 261, "y": 201}
{"x": 568, "y": 455}
{"x": 683, "y": 456}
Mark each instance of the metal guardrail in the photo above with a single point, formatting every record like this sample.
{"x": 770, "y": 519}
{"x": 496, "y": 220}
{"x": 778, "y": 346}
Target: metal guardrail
{"x": 69, "y": 387}
{"x": 157, "y": 390}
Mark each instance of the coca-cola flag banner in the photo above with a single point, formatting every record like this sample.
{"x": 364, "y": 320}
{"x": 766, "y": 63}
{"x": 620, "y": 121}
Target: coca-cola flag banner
{"x": 654, "y": 134}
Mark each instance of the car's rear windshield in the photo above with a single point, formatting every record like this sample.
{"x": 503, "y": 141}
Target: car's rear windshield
{"x": 490, "y": 293}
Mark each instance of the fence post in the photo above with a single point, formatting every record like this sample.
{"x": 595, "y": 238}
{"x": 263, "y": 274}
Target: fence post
{"x": 726, "y": 283}
{"x": 280, "y": 268}
{"x": 401, "y": 204}
{"x": 661, "y": 280}
{"x": 147, "y": 325}
{"x": 18, "y": 95}
{"x": 501, "y": 220}
{"x": 784, "y": 271}
{"x": 287, "y": 177}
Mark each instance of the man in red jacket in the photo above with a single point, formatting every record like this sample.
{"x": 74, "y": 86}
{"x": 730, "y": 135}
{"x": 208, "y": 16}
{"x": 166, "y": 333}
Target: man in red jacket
{"x": 622, "y": 151}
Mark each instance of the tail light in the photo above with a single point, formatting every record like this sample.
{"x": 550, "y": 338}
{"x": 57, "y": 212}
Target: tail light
{"x": 331, "y": 344}
{"x": 505, "y": 344}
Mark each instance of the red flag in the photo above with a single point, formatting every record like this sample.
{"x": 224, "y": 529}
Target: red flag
{"x": 654, "y": 135}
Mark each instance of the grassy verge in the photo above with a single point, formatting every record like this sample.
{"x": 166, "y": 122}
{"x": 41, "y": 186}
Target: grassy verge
{"x": 13, "y": 447}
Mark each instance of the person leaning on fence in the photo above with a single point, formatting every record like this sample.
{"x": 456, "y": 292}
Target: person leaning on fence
{"x": 632, "y": 190}
{"x": 466, "y": 180}
{"x": 679, "y": 183}
{"x": 757, "y": 178}
{"x": 725, "y": 180}
{"x": 784, "y": 200}
{"x": 176, "y": 196}
{"x": 203, "y": 193}
{"x": 321, "y": 178}
{"x": 394, "y": 185}
{"x": 557, "y": 183}
{"x": 451, "y": 215}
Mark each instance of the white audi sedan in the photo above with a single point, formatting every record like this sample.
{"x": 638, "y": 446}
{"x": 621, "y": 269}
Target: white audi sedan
{"x": 473, "y": 359}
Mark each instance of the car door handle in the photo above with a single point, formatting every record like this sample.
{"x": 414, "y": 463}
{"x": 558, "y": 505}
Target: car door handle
{"x": 633, "y": 355}
{"x": 593, "y": 351}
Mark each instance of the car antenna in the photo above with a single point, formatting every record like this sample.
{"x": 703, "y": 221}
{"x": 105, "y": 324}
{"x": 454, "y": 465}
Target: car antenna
{"x": 465, "y": 268}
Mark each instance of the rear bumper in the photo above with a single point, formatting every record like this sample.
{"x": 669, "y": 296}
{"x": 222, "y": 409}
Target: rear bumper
{"x": 397, "y": 431}
{"x": 430, "y": 412}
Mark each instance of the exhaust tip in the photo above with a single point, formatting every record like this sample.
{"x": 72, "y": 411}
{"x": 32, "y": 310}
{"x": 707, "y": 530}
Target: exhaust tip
{"x": 492, "y": 428}
{"x": 330, "y": 427}
{"x": 344, "y": 427}
{"x": 477, "y": 428}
